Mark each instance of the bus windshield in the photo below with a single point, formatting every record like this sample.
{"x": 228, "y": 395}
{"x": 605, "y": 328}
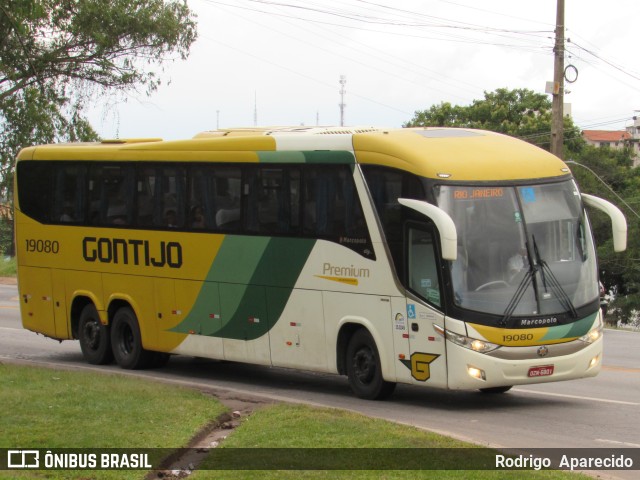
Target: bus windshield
{"x": 522, "y": 250}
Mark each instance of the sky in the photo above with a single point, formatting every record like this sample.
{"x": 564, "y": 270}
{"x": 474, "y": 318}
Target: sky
{"x": 279, "y": 62}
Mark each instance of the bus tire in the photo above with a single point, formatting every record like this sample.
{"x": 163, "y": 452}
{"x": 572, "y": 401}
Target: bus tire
{"x": 126, "y": 341}
{"x": 94, "y": 337}
{"x": 496, "y": 389}
{"x": 364, "y": 370}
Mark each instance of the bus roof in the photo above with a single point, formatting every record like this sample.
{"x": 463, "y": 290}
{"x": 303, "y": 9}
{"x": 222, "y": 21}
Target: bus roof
{"x": 452, "y": 154}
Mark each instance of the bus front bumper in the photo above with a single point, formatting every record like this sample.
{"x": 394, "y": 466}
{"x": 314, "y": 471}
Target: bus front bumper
{"x": 469, "y": 370}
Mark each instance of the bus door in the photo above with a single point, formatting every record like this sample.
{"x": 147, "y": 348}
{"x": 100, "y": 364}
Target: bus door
{"x": 427, "y": 360}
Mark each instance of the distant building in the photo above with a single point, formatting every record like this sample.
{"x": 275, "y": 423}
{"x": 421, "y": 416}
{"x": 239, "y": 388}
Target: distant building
{"x": 617, "y": 139}
{"x": 606, "y": 138}
{"x": 634, "y": 131}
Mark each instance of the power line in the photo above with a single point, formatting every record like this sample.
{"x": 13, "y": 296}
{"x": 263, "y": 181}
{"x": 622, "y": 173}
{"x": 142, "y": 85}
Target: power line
{"x": 379, "y": 18}
{"x": 573, "y": 162}
{"x": 360, "y": 19}
{"x": 392, "y": 16}
{"x": 308, "y": 77}
{"x": 385, "y": 59}
{"x": 608, "y": 62}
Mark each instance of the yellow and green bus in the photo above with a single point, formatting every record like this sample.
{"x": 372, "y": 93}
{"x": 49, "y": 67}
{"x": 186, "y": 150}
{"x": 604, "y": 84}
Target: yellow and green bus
{"x": 452, "y": 258}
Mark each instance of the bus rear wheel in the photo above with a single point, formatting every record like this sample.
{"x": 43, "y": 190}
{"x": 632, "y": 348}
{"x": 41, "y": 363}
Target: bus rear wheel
{"x": 126, "y": 341}
{"x": 364, "y": 370}
{"x": 95, "y": 342}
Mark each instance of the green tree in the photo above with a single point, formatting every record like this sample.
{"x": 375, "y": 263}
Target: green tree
{"x": 609, "y": 174}
{"x": 55, "y": 55}
{"x": 520, "y": 113}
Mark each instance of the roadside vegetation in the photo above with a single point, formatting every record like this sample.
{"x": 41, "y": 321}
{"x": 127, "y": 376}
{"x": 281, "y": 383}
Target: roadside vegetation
{"x": 8, "y": 267}
{"x": 47, "y": 408}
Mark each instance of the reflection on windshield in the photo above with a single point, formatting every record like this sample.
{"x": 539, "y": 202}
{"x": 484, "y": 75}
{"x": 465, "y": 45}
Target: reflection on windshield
{"x": 499, "y": 271}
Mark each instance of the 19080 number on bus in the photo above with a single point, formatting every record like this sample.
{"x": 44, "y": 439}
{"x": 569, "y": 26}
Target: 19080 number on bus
{"x": 518, "y": 337}
{"x": 42, "y": 246}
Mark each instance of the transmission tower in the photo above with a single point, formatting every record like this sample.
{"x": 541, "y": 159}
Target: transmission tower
{"x": 343, "y": 82}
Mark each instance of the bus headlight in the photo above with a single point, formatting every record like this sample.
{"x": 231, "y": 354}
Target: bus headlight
{"x": 594, "y": 334}
{"x": 476, "y": 373}
{"x": 480, "y": 346}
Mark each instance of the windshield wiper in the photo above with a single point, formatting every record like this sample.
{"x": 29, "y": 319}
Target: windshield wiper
{"x": 517, "y": 296}
{"x": 556, "y": 287}
{"x": 522, "y": 288}
{"x": 546, "y": 274}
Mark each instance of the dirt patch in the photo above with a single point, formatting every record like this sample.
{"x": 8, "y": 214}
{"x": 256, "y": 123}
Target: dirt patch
{"x": 8, "y": 281}
{"x": 184, "y": 461}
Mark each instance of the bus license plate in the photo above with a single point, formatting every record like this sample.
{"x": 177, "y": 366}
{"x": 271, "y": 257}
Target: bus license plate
{"x": 544, "y": 371}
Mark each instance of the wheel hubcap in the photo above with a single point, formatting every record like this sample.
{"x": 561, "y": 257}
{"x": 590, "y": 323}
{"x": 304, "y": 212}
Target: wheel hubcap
{"x": 92, "y": 334}
{"x": 364, "y": 365}
{"x": 126, "y": 340}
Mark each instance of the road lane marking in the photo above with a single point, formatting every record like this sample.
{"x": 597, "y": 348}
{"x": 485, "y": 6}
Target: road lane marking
{"x": 621, "y": 369}
{"x": 578, "y": 397}
{"x": 16, "y": 328}
{"x": 9, "y": 306}
{"x": 616, "y": 442}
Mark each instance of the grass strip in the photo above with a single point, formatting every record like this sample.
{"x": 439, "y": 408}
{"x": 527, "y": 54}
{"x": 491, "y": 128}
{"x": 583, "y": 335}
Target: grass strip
{"x": 45, "y": 408}
{"x": 295, "y": 427}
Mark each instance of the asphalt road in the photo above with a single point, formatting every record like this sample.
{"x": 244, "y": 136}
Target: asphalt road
{"x": 600, "y": 412}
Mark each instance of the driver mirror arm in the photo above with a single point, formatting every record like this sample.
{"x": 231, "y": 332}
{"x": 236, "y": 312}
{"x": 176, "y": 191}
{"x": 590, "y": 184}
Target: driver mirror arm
{"x": 446, "y": 228}
{"x": 618, "y": 222}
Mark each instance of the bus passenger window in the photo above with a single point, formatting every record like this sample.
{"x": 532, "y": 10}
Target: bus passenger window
{"x": 161, "y": 196}
{"x": 214, "y": 197}
{"x": 332, "y": 208}
{"x": 273, "y": 200}
{"x": 228, "y": 181}
{"x": 34, "y": 189}
{"x": 69, "y": 194}
{"x": 111, "y": 194}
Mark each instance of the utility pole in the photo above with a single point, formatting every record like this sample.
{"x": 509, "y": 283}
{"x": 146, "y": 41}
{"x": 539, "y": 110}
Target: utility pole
{"x": 557, "y": 111}
{"x": 343, "y": 82}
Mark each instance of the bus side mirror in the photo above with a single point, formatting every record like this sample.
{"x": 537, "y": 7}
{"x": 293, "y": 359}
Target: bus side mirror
{"x": 618, "y": 222}
{"x": 444, "y": 224}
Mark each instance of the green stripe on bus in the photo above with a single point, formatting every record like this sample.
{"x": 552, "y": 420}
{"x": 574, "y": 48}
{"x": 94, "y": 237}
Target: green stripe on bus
{"x": 572, "y": 330}
{"x": 248, "y": 287}
{"x": 312, "y": 157}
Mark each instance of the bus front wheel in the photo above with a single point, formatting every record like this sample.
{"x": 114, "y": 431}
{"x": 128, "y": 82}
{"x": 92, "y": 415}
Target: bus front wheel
{"x": 126, "y": 341}
{"x": 364, "y": 370}
{"x": 94, "y": 337}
